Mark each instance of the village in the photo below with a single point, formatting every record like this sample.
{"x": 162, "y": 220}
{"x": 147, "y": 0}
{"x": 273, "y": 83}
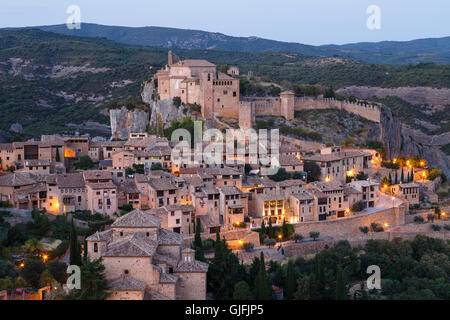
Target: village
{"x": 157, "y": 205}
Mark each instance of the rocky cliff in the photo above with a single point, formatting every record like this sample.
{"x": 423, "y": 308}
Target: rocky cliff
{"x": 399, "y": 140}
{"x": 163, "y": 109}
{"x": 124, "y": 121}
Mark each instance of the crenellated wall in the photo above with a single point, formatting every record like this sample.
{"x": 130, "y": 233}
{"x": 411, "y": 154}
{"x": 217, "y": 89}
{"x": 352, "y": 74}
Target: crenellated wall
{"x": 287, "y": 104}
{"x": 369, "y": 112}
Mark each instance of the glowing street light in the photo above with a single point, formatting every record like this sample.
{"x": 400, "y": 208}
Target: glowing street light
{"x": 393, "y": 202}
{"x": 386, "y": 225}
{"x": 327, "y": 179}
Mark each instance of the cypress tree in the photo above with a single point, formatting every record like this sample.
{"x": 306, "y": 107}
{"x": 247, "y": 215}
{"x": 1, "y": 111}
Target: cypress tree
{"x": 75, "y": 254}
{"x": 396, "y": 177}
{"x": 285, "y": 229}
{"x": 402, "y": 179}
{"x": 341, "y": 292}
{"x": 263, "y": 227}
{"x": 412, "y": 174}
{"x": 409, "y": 179}
{"x": 390, "y": 178}
{"x": 198, "y": 243}
{"x": 270, "y": 232}
{"x": 290, "y": 279}
{"x": 261, "y": 285}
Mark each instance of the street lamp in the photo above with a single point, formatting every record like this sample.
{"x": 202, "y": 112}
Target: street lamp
{"x": 393, "y": 202}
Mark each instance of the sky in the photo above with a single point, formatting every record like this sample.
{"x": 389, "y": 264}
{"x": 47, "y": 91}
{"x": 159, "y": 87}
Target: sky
{"x": 313, "y": 22}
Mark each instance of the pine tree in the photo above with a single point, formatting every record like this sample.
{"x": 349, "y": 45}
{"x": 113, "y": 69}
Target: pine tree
{"x": 271, "y": 232}
{"x": 341, "y": 292}
{"x": 242, "y": 291}
{"x": 290, "y": 281}
{"x": 198, "y": 243}
{"x": 261, "y": 285}
{"x": 75, "y": 253}
{"x": 93, "y": 282}
{"x": 285, "y": 229}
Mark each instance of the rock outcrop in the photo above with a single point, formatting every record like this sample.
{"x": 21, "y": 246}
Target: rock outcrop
{"x": 163, "y": 109}
{"x": 124, "y": 121}
{"x": 401, "y": 140}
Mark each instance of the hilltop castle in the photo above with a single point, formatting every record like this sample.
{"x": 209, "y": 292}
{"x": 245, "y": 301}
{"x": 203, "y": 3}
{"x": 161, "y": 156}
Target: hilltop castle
{"x": 199, "y": 82}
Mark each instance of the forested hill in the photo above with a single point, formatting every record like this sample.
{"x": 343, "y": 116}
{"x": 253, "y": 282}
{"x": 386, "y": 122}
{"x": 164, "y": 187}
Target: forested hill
{"x": 436, "y": 50}
{"x": 58, "y": 83}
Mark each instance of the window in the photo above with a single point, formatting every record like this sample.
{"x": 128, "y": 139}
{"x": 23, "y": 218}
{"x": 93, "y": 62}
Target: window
{"x": 126, "y": 271}
{"x": 95, "y": 247}
{"x": 148, "y": 234}
{"x": 121, "y": 234}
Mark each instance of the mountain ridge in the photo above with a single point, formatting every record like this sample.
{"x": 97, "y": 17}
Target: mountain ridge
{"x": 427, "y": 50}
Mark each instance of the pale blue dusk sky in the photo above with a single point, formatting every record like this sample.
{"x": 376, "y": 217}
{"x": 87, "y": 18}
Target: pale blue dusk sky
{"x": 305, "y": 21}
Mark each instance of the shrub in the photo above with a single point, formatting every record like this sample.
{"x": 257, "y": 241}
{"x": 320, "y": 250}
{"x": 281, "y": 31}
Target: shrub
{"x": 447, "y": 227}
{"x": 270, "y": 242}
{"x": 297, "y": 237}
{"x": 59, "y": 250}
{"x": 436, "y": 227}
{"x": 431, "y": 217}
{"x": 364, "y": 229}
{"x": 176, "y": 101}
{"x": 375, "y": 227}
{"x": 358, "y": 206}
{"x": 314, "y": 235}
{"x": 419, "y": 219}
{"x": 248, "y": 246}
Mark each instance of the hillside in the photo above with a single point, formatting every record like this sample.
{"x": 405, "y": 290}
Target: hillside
{"x": 434, "y": 50}
{"x": 58, "y": 83}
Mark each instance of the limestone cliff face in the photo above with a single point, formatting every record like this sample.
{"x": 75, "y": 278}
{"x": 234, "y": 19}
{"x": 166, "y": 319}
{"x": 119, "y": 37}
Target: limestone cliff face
{"x": 124, "y": 121}
{"x": 167, "y": 111}
{"x": 401, "y": 140}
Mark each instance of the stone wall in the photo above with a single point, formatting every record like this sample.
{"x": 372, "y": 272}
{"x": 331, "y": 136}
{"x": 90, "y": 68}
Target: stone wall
{"x": 371, "y": 113}
{"x": 334, "y": 228}
{"x": 232, "y": 238}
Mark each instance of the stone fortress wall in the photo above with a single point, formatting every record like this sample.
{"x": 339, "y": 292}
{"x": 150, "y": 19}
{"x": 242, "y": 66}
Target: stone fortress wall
{"x": 287, "y": 104}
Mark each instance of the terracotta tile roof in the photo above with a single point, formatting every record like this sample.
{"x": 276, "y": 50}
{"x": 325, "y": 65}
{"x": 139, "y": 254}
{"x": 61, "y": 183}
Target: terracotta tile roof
{"x": 162, "y": 184}
{"x": 102, "y": 185}
{"x": 126, "y": 283}
{"x": 167, "y": 278}
{"x": 303, "y": 196}
{"x": 230, "y": 190}
{"x": 137, "y": 219}
{"x": 128, "y": 187}
{"x": 270, "y": 196}
{"x": 166, "y": 237}
{"x": 194, "y": 63}
{"x": 40, "y": 187}
{"x": 70, "y": 180}
{"x": 101, "y": 236}
{"x": 291, "y": 183}
{"x": 194, "y": 266}
{"x": 97, "y": 175}
{"x": 289, "y": 160}
{"x": 132, "y": 246}
{"x": 15, "y": 180}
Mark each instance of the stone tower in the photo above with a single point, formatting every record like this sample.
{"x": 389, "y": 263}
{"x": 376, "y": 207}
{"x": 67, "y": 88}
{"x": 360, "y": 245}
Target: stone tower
{"x": 206, "y": 94}
{"x": 287, "y": 104}
{"x": 246, "y": 115}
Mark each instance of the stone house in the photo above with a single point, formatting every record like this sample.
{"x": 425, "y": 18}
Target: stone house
{"x": 146, "y": 262}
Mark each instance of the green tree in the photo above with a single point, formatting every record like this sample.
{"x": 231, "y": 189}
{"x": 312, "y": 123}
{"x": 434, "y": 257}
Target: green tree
{"x": 156, "y": 166}
{"x": 290, "y": 281}
{"x": 74, "y": 245}
{"x": 58, "y": 270}
{"x": 32, "y": 271}
{"x": 314, "y": 235}
{"x": 242, "y": 291}
{"x": 85, "y": 163}
{"x": 93, "y": 282}
{"x": 313, "y": 170}
{"x": 341, "y": 291}
{"x": 271, "y": 230}
{"x": 261, "y": 283}
{"x": 198, "y": 243}
{"x": 402, "y": 178}
{"x": 285, "y": 229}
